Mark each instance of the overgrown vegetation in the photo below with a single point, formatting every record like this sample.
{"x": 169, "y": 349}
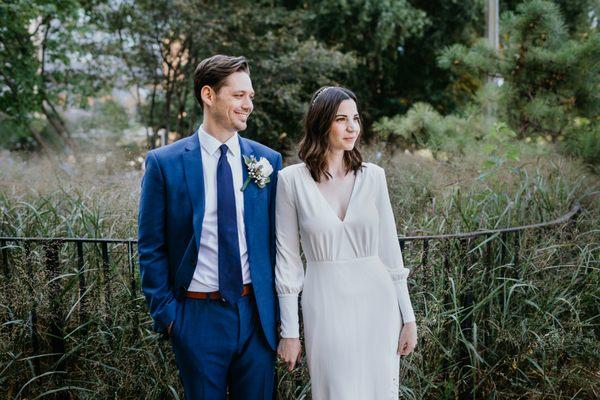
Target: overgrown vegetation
{"x": 534, "y": 310}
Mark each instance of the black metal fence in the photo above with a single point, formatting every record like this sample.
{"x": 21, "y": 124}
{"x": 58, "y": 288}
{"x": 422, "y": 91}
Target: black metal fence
{"x": 467, "y": 243}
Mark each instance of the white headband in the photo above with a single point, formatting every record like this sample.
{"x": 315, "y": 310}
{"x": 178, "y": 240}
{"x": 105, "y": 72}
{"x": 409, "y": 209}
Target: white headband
{"x": 320, "y": 93}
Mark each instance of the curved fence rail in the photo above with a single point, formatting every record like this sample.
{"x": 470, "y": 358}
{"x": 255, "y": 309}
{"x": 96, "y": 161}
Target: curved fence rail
{"x": 52, "y": 246}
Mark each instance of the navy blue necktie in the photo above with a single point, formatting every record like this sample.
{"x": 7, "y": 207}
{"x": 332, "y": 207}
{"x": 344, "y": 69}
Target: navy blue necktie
{"x": 230, "y": 265}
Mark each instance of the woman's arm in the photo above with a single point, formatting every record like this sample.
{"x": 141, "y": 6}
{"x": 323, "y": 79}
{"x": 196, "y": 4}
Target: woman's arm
{"x": 389, "y": 249}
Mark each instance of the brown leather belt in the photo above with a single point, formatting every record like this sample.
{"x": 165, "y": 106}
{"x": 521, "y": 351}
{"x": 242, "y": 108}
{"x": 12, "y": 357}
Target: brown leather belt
{"x": 216, "y": 295}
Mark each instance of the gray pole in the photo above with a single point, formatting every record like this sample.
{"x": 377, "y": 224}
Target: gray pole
{"x": 492, "y": 31}
{"x": 493, "y": 37}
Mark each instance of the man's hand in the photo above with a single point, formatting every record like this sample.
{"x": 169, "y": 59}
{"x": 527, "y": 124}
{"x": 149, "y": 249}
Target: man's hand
{"x": 290, "y": 351}
{"x": 408, "y": 338}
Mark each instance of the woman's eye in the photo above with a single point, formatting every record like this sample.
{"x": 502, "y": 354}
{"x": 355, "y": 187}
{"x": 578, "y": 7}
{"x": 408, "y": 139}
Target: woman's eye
{"x": 340, "y": 119}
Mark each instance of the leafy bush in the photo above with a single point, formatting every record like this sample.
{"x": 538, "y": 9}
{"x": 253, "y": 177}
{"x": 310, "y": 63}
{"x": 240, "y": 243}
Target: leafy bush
{"x": 534, "y": 309}
{"x": 422, "y": 127}
{"x": 583, "y": 140}
{"x": 550, "y": 75}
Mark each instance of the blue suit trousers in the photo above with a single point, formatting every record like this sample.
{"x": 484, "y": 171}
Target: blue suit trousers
{"x": 221, "y": 350}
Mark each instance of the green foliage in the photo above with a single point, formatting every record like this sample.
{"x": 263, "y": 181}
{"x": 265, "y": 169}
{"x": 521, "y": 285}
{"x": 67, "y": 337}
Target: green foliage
{"x": 422, "y": 127}
{"x": 416, "y": 77}
{"x": 293, "y": 46}
{"x": 499, "y": 146}
{"x": 376, "y": 31}
{"x": 107, "y": 115}
{"x": 12, "y": 136}
{"x": 416, "y": 129}
{"x": 286, "y": 63}
{"x": 550, "y": 76}
{"x": 533, "y": 313}
{"x": 583, "y": 140}
{"x": 452, "y": 136}
{"x": 46, "y": 64}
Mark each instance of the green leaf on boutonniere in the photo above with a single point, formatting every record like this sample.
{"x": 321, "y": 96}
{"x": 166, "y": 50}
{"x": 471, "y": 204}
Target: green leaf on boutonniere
{"x": 245, "y": 183}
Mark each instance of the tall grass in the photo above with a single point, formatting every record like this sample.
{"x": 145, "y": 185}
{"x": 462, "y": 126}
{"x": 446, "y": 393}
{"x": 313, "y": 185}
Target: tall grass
{"x": 535, "y": 309}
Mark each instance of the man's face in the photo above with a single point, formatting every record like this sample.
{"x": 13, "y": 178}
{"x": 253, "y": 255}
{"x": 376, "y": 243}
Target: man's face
{"x": 232, "y": 104}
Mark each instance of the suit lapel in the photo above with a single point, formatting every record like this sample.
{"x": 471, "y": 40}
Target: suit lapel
{"x": 249, "y": 192}
{"x": 194, "y": 178}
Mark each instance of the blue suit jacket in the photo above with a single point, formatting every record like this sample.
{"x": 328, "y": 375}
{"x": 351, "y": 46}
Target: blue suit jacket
{"x": 170, "y": 229}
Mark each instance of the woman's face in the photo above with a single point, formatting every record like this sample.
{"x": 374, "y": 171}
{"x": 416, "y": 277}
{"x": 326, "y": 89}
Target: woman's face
{"x": 345, "y": 127}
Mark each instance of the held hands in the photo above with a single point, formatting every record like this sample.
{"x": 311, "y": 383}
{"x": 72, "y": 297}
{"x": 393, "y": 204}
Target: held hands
{"x": 290, "y": 351}
{"x": 408, "y": 338}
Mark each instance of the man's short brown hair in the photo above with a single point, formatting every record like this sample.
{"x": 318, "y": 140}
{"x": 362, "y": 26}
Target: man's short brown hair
{"x": 212, "y": 71}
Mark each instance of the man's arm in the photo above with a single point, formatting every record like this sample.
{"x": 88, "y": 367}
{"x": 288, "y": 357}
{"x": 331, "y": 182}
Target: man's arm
{"x": 152, "y": 247}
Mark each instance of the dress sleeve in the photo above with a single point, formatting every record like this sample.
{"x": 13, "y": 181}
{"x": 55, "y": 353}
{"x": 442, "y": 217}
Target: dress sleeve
{"x": 289, "y": 272}
{"x": 389, "y": 249}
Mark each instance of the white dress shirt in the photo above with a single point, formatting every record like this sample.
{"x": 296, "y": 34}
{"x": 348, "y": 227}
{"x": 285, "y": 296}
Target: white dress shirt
{"x": 206, "y": 275}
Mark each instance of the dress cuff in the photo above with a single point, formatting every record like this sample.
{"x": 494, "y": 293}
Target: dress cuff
{"x": 288, "y": 307}
{"x": 404, "y": 303}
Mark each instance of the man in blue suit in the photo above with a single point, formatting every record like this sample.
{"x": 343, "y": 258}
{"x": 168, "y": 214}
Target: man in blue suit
{"x": 207, "y": 243}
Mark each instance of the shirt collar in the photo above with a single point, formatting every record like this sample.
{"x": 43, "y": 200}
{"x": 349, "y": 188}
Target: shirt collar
{"x": 212, "y": 144}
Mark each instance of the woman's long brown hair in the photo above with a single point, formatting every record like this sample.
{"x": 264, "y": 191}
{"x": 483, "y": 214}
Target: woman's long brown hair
{"x": 314, "y": 144}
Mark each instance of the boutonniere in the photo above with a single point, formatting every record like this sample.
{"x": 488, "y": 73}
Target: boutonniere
{"x": 258, "y": 170}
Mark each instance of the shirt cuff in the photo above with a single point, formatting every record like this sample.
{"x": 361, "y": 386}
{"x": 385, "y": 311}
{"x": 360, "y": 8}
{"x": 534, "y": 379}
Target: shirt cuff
{"x": 288, "y": 307}
{"x": 404, "y": 303}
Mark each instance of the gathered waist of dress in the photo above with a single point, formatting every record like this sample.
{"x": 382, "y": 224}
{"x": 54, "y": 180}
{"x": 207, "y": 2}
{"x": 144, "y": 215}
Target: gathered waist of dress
{"x": 355, "y": 260}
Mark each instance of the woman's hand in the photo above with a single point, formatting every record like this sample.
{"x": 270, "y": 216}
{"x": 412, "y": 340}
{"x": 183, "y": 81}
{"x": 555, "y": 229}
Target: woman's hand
{"x": 290, "y": 351}
{"x": 408, "y": 338}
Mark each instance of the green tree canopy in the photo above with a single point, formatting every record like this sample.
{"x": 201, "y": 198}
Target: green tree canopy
{"x": 550, "y": 74}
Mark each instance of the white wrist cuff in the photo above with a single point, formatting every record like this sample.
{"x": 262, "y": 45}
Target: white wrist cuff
{"x": 288, "y": 309}
{"x": 404, "y": 303}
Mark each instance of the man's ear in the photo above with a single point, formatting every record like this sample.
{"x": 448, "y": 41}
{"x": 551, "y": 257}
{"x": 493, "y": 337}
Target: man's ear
{"x": 208, "y": 95}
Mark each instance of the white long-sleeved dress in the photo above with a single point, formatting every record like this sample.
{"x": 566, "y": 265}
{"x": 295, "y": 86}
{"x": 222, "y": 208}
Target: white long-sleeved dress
{"x": 354, "y": 290}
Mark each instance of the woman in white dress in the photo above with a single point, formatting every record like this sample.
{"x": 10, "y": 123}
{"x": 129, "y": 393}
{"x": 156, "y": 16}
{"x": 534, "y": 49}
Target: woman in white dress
{"x": 358, "y": 318}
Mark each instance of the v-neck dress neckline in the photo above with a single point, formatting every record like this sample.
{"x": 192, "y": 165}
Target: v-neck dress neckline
{"x": 329, "y": 206}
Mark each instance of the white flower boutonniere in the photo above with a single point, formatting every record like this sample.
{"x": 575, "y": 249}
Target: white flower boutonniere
{"x": 258, "y": 170}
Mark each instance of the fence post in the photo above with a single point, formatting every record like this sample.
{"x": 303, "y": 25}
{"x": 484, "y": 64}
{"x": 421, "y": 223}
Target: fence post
{"x": 516, "y": 257}
{"x": 106, "y": 273}
{"x": 82, "y": 287}
{"x": 57, "y": 337}
{"x": 489, "y": 282}
{"x": 503, "y": 248}
{"x": 446, "y": 268}
{"x": 35, "y": 344}
{"x": 136, "y": 321}
{"x": 466, "y": 324}
{"x": 425, "y": 253}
